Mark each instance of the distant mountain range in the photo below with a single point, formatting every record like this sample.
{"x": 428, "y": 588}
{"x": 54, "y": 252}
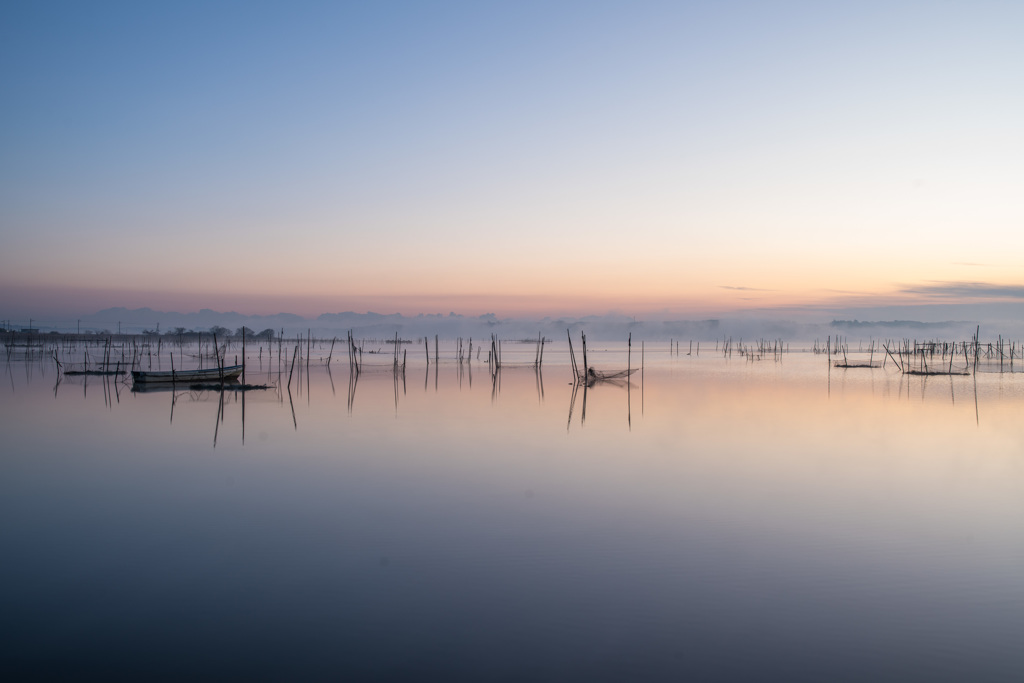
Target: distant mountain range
{"x": 139, "y": 319}
{"x": 790, "y": 325}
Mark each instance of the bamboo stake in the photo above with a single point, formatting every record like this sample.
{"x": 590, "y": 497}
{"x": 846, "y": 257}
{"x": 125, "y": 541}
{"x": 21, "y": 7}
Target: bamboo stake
{"x": 586, "y": 368}
{"x": 290, "y": 371}
{"x": 898, "y": 364}
{"x": 572, "y": 355}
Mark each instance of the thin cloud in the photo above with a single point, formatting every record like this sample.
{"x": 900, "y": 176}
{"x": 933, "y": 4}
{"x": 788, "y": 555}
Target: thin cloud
{"x": 744, "y": 289}
{"x": 967, "y": 290}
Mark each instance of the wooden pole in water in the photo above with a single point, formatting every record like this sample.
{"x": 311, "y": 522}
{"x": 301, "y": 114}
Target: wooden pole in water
{"x": 977, "y": 345}
{"x": 572, "y": 355}
{"x": 898, "y": 364}
{"x": 357, "y": 355}
{"x": 294, "y": 355}
{"x": 220, "y": 370}
{"x": 586, "y": 368}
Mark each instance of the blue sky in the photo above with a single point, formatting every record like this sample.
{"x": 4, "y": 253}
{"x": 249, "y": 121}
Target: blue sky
{"x": 517, "y": 157}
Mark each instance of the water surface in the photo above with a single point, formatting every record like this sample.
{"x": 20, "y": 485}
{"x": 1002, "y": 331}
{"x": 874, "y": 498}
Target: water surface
{"x": 713, "y": 519}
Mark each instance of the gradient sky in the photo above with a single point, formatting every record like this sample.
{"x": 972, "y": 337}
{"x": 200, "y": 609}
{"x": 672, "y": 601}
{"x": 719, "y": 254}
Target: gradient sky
{"x": 519, "y": 157}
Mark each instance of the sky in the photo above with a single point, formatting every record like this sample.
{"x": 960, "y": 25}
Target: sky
{"x": 517, "y": 158}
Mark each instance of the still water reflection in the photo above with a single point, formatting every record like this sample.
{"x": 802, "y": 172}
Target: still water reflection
{"x": 706, "y": 520}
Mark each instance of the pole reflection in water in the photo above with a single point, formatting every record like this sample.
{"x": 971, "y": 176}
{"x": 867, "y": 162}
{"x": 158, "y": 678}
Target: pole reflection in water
{"x": 353, "y": 379}
{"x": 394, "y": 381}
{"x": 977, "y": 415}
{"x": 572, "y": 404}
{"x": 291, "y": 403}
{"x": 220, "y": 418}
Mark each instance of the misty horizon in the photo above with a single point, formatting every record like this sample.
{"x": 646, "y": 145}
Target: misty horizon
{"x": 936, "y": 321}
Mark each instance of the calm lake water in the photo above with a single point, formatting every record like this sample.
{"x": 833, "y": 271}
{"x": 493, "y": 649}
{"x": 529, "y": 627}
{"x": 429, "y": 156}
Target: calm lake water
{"x": 715, "y": 519}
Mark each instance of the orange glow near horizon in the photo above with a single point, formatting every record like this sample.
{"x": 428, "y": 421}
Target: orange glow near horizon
{"x": 691, "y": 301}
